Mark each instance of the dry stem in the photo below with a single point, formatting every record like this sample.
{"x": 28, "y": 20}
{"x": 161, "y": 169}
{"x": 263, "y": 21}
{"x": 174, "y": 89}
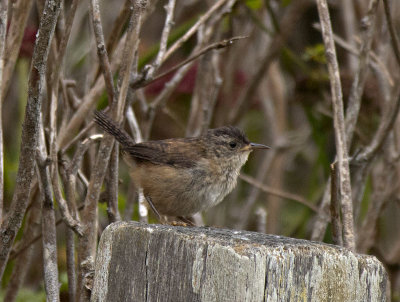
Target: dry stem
{"x": 30, "y": 131}
{"x": 339, "y": 125}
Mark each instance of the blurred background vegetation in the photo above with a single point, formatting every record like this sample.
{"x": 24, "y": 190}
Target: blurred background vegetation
{"x": 273, "y": 84}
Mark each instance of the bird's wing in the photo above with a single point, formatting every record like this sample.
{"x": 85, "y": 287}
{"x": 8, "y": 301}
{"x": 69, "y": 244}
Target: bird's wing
{"x": 183, "y": 153}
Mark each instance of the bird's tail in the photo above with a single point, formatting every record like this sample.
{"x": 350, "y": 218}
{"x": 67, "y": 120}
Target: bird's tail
{"x": 110, "y": 127}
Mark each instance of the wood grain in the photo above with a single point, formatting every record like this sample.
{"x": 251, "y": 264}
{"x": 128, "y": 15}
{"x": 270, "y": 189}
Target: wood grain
{"x": 140, "y": 262}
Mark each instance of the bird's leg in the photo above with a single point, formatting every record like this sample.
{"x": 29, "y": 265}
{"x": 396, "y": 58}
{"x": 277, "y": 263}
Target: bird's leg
{"x": 159, "y": 217}
{"x": 186, "y": 220}
{"x": 183, "y": 221}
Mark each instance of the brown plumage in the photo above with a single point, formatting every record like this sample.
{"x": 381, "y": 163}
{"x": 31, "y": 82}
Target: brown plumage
{"x": 182, "y": 176}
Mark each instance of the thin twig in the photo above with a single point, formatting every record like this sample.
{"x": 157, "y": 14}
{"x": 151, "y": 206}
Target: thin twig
{"x": 385, "y": 186}
{"x": 130, "y": 201}
{"x": 217, "y": 45}
{"x": 30, "y": 131}
{"x": 392, "y": 109}
{"x": 375, "y": 62}
{"x": 133, "y": 125}
{"x": 339, "y": 125}
{"x": 353, "y": 107}
{"x": 360, "y": 78}
{"x": 64, "y": 40}
{"x": 71, "y": 271}
{"x": 350, "y": 29}
{"x": 87, "y": 247}
{"x": 288, "y": 23}
{"x": 335, "y": 207}
{"x": 118, "y": 26}
{"x": 112, "y": 186}
{"x": 351, "y": 117}
{"x": 161, "y": 99}
{"x": 388, "y": 119}
{"x": 49, "y": 232}
{"x": 261, "y": 219}
{"x": 79, "y": 153}
{"x": 254, "y": 192}
{"x": 23, "y": 245}
{"x": 115, "y": 33}
{"x": 70, "y": 220}
{"x": 169, "y": 8}
{"x": 66, "y": 134}
{"x": 392, "y": 31}
{"x": 20, "y": 12}
{"x": 23, "y": 263}
{"x": 129, "y": 52}
{"x": 193, "y": 29}
{"x": 101, "y": 49}
{"x": 182, "y": 69}
{"x": 3, "y": 30}
{"x": 211, "y": 98}
{"x": 143, "y": 211}
{"x": 276, "y": 192}
{"x": 208, "y": 81}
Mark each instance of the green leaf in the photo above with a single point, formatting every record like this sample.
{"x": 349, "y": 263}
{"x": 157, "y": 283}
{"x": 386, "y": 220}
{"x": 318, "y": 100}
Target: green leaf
{"x": 253, "y": 4}
{"x": 315, "y": 53}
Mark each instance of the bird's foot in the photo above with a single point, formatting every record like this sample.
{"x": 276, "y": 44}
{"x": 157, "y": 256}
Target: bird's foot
{"x": 179, "y": 223}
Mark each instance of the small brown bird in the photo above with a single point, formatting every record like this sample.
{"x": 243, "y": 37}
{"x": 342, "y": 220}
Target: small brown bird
{"x": 183, "y": 176}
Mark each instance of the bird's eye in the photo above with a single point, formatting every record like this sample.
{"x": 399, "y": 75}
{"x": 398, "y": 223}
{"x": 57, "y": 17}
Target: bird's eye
{"x": 232, "y": 145}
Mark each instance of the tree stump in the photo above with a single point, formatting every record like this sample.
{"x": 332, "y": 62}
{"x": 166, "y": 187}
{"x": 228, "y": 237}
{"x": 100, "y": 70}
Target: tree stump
{"x": 140, "y": 262}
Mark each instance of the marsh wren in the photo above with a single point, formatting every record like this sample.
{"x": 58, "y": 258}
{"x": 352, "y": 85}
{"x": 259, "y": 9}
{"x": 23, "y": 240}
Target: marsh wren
{"x": 183, "y": 176}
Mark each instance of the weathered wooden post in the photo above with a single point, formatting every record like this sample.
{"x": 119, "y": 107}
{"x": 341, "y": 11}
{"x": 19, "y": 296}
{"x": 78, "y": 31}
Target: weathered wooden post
{"x": 139, "y": 262}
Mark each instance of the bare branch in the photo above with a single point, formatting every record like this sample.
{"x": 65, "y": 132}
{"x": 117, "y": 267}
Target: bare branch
{"x": 207, "y": 83}
{"x": 350, "y": 28}
{"x": 375, "y": 62}
{"x": 389, "y": 116}
{"x": 22, "y": 264}
{"x": 30, "y": 131}
{"x": 261, "y": 217}
{"x": 67, "y": 133}
{"x": 391, "y": 108}
{"x": 354, "y": 105}
{"x": 169, "y": 8}
{"x": 276, "y": 192}
{"x": 87, "y": 246}
{"x": 353, "y": 108}
{"x": 143, "y": 211}
{"x": 392, "y": 31}
{"x": 49, "y": 233}
{"x": 20, "y": 13}
{"x": 71, "y": 271}
{"x": 335, "y": 207}
{"x": 71, "y": 221}
{"x": 351, "y": 116}
{"x": 339, "y": 125}
{"x": 133, "y": 125}
{"x": 3, "y": 30}
{"x": 163, "y": 97}
{"x": 20, "y": 248}
{"x": 218, "y": 45}
{"x": 194, "y": 28}
{"x": 289, "y": 21}
{"x": 112, "y": 186}
{"x": 118, "y": 26}
{"x": 384, "y": 188}
{"x": 101, "y": 49}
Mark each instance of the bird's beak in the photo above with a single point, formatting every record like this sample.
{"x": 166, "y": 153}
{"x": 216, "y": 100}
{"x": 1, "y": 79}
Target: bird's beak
{"x": 258, "y": 146}
{"x": 253, "y": 146}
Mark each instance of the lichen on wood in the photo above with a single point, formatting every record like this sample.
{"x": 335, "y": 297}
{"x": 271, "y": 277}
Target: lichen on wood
{"x": 140, "y": 262}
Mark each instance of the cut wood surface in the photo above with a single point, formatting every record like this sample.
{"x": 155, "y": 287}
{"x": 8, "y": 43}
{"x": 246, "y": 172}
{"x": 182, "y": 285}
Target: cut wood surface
{"x": 141, "y": 262}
